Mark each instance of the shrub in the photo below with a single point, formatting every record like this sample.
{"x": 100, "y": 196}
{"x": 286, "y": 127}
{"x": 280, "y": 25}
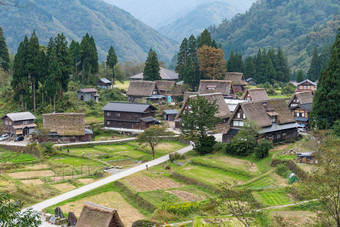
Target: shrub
{"x": 282, "y": 170}
{"x": 219, "y": 146}
{"x": 271, "y": 90}
{"x": 205, "y": 145}
{"x": 184, "y": 209}
{"x": 262, "y": 149}
{"x": 47, "y": 149}
{"x": 176, "y": 156}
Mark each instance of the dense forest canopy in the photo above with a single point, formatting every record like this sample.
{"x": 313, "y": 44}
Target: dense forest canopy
{"x": 297, "y": 26}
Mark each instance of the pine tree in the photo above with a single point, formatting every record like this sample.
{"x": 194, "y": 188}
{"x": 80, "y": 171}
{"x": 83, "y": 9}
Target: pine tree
{"x": 260, "y": 67}
{"x": 205, "y": 39}
{"x": 182, "y": 59}
{"x": 314, "y": 68}
{"x": 4, "y": 56}
{"x": 64, "y": 61}
{"x": 326, "y": 108}
{"x": 300, "y": 76}
{"x": 249, "y": 68}
{"x": 89, "y": 59}
{"x": 281, "y": 67}
{"x": 111, "y": 61}
{"x": 76, "y": 57}
{"x": 32, "y": 65}
{"x": 151, "y": 69}
{"x": 54, "y": 73}
{"x": 190, "y": 74}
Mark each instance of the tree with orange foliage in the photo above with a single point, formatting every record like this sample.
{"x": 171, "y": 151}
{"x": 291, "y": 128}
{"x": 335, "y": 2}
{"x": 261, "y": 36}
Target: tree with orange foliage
{"x": 211, "y": 62}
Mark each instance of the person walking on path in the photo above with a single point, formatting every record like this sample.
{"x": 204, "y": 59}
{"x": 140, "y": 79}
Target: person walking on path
{"x": 83, "y": 153}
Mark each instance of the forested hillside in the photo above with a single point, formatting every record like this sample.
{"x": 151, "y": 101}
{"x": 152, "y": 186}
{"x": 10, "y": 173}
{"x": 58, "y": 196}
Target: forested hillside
{"x": 297, "y": 26}
{"x": 108, "y": 25}
{"x": 198, "y": 19}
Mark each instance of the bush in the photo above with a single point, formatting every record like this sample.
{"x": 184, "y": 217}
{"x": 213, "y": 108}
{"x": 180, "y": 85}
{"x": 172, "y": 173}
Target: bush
{"x": 47, "y": 149}
{"x": 176, "y": 156}
{"x": 282, "y": 170}
{"x": 219, "y": 146}
{"x": 262, "y": 149}
{"x": 205, "y": 145}
{"x": 271, "y": 91}
{"x": 184, "y": 209}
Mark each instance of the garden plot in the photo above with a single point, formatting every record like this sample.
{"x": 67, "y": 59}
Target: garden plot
{"x": 37, "y": 166}
{"x": 32, "y": 182}
{"x": 127, "y": 213}
{"x": 86, "y": 180}
{"x": 272, "y": 197}
{"x": 31, "y": 174}
{"x": 143, "y": 183}
{"x": 296, "y": 218}
{"x": 216, "y": 221}
{"x": 186, "y": 196}
{"x": 64, "y": 187}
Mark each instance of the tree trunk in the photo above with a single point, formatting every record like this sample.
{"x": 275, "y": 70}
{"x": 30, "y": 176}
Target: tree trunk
{"x": 33, "y": 91}
{"x": 54, "y": 103}
{"x": 153, "y": 151}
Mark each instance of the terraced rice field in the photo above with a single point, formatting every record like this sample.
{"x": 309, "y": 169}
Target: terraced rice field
{"x": 272, "y": 197}
{"x": 144, "y": 183}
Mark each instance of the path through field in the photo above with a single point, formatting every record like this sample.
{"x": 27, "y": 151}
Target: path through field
{"x": 89, "y": 187}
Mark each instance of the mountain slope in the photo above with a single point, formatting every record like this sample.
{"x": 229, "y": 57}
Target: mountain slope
{"x": 198, "y": 19}
{"x": 294, "y": 25}
{"x": 159, "y": 13}
{"x": 108, "y": 25}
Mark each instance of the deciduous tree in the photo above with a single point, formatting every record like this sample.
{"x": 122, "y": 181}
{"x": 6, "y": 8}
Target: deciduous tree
{"x": 211, "y": 62}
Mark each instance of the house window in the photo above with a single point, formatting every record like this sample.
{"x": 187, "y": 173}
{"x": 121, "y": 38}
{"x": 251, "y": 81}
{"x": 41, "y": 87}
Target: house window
{"x": 25, "y": 122}
{"x": 238, "y": 115}
{"x": 117, "y": 114}
{"x": 238, "y": 123}
{"x": 108, "y": 122}
{"x": 273, "y": 119}
{"x": 211, "y": 87}
{"x": 108, "y": 114}
{"x": 278, "y": 136}
{"x": 302, "y": 114}
{"x": 241, "y": 123}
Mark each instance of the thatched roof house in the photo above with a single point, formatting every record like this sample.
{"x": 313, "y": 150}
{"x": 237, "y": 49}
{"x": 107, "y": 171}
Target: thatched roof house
{"x": 65, "y": 124}
{"x": 99, "y": 216}
{"x": 256, "y": 94}
{"x": 225, "y": 87}
{"x": 238, "y": 81}
{"x": 273, "y": 116}
{"x": 165, "y": 87}
{"x": 300, "y": 98}
{"x": 141, "y": 89}
{"x": 165, "y": 74}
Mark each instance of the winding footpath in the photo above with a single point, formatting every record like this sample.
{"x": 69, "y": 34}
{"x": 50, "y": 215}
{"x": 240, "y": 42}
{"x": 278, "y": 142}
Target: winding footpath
{"x": 107, "y": 180}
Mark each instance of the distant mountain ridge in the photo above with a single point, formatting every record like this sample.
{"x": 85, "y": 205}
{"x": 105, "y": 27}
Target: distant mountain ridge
{"x": 297, "y": 26}
{"x": 108, "y": 25}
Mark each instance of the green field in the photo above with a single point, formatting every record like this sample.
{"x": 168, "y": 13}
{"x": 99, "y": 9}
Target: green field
{"x": 272, "y": 197}
{"x": 124, "y": 85}
{"x": 16, "y": 157}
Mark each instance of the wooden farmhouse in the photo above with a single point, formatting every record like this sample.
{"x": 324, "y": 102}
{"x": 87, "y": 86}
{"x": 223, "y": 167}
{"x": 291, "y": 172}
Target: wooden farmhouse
{"x": 122, "y": 115}
{"x": 225, "y": 87}
{"x": 66, "y": 127}
{"x": 273, "y": 116}
{"x": 223, "y": 111}
{"x": 256, "y": 94}
{"x": 165, "y": 87}
{"x": 15, "y": 124}
{"x": 306, "y": 85}
{"x": 251, "y": 81}
{"x": 144, "y": 90}
{"x": 238, "y": 80}
{"x": 104, "y": 83}
{"x": 165, "y": 74}
{"x": 88, "y": 94}
{"x": 301, "y": 106}
{"x": 99, "y": 216}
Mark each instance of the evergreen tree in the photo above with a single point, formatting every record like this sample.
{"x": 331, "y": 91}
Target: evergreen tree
{"x": 205, "y": 39}
{"x": 54, "y": 73}
{"x": 324, "y": 57}
{"x": 111, "y": 61}
{"x": 89, "y": 58}
{"x": 300, "y": 76}
{"x": 64, "y": 61}
{"x": 76, "y": 57}
{"x": 182, "y": 59}
{"x": 235, "y": 63}
{"x": 260, "y": 67}
{"x": 151, "y": 69}
{"x": 314, "y": 68}
{"x": 326, "y": 108}
{"x": 249, "y": 68}
{"x": 281, "y": 67}
{"x": 32, "y": 65}
{"x": 4, "y": 56}
{"x": 190, "y": 74}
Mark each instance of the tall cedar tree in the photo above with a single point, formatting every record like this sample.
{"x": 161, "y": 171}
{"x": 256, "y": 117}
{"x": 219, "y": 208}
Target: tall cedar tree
{"x": 249, "y": 68}
{"x": 205, "y": 39}
{"x": 200, "y": 119}
{"x": 300, "y": 76}
{"x": 89, "y": 59}
{"x": 54, "y": 73}
{"x": 211, "y": 62}
{"x": 314, "y": 68}
{"x": 64, "y": 61}
{"x": 111, "y": 61}
{"x": 182, "y": 59}
{"x": 32, "y": 65}
{"x": 281, "y": 67}
{"x": 151, "y": 69}
{"x": 20, "y": 83}
{"x": 4, "y": 56}
{"x": 76, "y": 58}
{"x": 326, "y": 108}
{"x": 235, "y": 63}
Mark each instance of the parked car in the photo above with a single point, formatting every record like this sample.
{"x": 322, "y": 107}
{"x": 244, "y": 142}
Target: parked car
{"x": 4, "y": 137}
{"x": 301, "y": 129}
{"x": 19, "y": 138}
{"x": 158, "y": 122}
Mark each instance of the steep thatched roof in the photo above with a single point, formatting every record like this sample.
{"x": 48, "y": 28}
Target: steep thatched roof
{"x": 256, "y": 94}
{"x": 99, "y": 216}
{"x": 225, "y": 87}
{"x": 260, "y": 112}
{"x": 165, "y": 74}
{"x": 223, "y": 110}
{"x": 141, "y": 88}
{"x": 236, "y": 78}
{"x": 164, "y": 85}
{"x": 65, "y": 124}
{"x": 302, "y": 97}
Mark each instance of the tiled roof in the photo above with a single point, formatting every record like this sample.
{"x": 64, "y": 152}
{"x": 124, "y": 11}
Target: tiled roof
{"x": 21, "y": 116}
{"x": 126, "y": 107}
{"x": 87, "y": 90}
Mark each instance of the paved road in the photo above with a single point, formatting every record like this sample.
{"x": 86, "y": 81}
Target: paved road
{"x": 89, "y": 187}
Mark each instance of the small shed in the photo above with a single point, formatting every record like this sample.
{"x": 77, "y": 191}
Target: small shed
{"x": 88, "y": 94}
{"x": 170, "y": 115}
{"x": 251, "y": 81}
{"x": 104, "y": 83}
